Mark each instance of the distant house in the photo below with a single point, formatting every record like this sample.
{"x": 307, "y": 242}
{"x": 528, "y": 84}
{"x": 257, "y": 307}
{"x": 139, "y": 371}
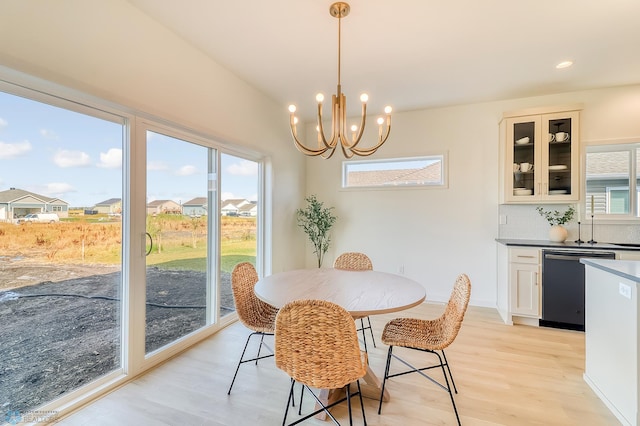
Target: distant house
{"x": 608, "y": 182}
{"x": 164, "y": 206}
{"x": 249, "y": 210}
{"x": 16, "y": 203}
{"x": 232, "y": 207}
{"x": 112, "y": 205}
{"x": 195, "y": 207}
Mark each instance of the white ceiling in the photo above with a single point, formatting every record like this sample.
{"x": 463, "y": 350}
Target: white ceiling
{"x": 413, "y": 54}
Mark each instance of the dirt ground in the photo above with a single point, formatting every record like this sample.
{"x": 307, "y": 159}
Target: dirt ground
{"x": 60, "y": 324}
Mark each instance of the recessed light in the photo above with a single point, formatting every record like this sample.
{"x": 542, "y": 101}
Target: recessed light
{"x": 564, "y": 64}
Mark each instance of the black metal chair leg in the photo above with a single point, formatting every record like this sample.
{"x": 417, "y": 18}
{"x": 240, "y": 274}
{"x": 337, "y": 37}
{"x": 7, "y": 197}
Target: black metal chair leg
{"x": 259, "y": 347}
{"x": 364, "y": 336}
{"x": 240, "y": 362}
{"x": 348, "y": 388}
{"x": 449, "y": 370}
{"x": 301, "y": 395}
{"x": 386, "y": 374}
{"x": 364, "y": 418}
{"x": 371, "y": 331}
{"x": 286, "y": 411}
{"x": 444, "y": 373}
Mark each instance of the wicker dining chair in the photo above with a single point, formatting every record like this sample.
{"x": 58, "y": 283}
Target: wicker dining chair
{"x": 316, "y": 344}
{"x": 354, "y": 261}
{"x": 255, "y": 314}
{"x": 432, "y": 336}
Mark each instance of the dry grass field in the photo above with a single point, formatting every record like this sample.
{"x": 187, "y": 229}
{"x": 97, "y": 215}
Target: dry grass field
{"x": 80, "y": 241}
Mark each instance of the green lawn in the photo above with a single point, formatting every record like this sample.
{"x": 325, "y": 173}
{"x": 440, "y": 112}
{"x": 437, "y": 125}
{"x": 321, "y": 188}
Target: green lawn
{"x": 182, "y": 257}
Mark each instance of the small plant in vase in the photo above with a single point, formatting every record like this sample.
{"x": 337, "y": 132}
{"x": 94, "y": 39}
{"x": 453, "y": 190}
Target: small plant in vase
{"x": 556, "y": 219}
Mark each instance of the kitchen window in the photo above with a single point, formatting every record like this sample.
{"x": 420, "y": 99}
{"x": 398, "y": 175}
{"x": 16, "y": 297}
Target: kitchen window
{"x": 428, "y": 171}
{"x": 613, "y": 180}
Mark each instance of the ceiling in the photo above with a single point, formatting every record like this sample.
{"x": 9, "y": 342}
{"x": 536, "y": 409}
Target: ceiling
{"x": 412, "y": 54}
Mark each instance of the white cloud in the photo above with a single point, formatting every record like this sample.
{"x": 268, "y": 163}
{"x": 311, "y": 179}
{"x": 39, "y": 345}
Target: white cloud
{"x": 48, "y": 134}
{"x": 65, "y": 158}
{"x": 3, "y": 123}
{"x": 12, "y": 150}
{"x": 228, "y": 196}
{"x": 157, "y": 166}
{"x": 58, "y": 188}
{"x": 244, "y": 168}
{"x": 187, "y": 170}
{"x": 112, "y": 159}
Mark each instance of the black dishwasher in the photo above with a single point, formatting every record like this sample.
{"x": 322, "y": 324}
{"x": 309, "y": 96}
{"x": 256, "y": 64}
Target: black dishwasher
{"x": 563, "y": 287}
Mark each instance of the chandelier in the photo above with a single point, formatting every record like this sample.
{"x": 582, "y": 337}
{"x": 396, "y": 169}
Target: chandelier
{"x": 350, "y": 145}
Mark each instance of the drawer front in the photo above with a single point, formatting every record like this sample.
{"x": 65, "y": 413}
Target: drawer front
{"x": 524, "y": 255}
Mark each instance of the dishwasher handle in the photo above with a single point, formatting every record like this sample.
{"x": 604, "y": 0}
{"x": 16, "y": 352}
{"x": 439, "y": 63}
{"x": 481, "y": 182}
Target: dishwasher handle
{"x": 576, "y": 256}
{"x": 563, "y": 257}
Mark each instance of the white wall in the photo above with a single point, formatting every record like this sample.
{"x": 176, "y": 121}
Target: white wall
{"x": 436, "y": 234}
{"x": 111, "y": 50}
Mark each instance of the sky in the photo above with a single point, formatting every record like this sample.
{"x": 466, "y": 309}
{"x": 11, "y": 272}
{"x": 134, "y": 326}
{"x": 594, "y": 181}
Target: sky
{"x": 78, "y": 158}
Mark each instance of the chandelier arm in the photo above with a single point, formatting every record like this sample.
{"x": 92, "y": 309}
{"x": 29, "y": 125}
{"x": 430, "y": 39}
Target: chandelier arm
{"x": 347, "y": 152}
{"x": 331, "y": 151}
{"x": 363, "y": 121}
{"x": 321, "y": 136}
{"x": 336, "y": 136}
{"x": 308, "y": 151}
{"x": 342, "y": 121}
{"x": 368, "y": 151}
{"x": 299, "y": 145}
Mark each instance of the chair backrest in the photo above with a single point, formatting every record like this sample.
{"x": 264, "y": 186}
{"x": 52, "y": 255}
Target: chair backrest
{"x": 252, "y": 312}
{"x": 353, "y": 261}
{"x": 451, "y": 319}
{"x": 316, "y": 344}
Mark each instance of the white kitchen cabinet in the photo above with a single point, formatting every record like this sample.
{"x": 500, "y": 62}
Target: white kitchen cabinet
{"x": 540, "y": 156}
{"x": 524, "y": 282}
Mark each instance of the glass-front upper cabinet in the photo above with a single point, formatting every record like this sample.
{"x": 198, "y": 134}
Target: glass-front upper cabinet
{"x": 541, "y": 158}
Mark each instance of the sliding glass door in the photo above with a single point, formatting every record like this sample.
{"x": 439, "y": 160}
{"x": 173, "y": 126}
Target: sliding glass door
{"x": 240, "y": 211}
{"x": 61, "y": 239}
{"x": 181, "y": 194}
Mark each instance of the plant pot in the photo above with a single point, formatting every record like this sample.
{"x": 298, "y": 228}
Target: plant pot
{"x": 558, "y": 233}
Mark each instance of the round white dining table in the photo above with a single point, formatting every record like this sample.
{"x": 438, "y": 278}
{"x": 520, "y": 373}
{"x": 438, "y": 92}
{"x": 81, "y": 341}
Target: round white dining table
{"x": 361, "y": 293}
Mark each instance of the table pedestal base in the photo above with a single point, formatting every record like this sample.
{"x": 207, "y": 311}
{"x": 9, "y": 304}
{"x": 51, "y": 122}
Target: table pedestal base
{"x": 370, "y": 385}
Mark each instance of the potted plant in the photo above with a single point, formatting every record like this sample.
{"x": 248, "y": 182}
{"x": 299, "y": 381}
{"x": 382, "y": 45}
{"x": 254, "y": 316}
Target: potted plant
{"x": 316, "y": 221}
{"x": 556, "y": 219}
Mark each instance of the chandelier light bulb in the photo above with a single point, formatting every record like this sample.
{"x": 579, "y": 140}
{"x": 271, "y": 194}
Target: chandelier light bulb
{"x": 319, "y": 97}
{"x": 292, "y": 108}
{"x": 364, "y": 98}
{"x": 354, "y": 128}
{"x": 387, "y": 109}
{"x": 380, "y": 121}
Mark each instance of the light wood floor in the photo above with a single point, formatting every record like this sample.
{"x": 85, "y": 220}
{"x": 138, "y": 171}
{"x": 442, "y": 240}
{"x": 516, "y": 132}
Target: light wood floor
{"x": 506, "y": 375}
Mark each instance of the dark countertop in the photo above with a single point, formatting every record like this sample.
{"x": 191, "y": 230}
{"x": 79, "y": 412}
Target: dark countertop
{"x": 628, "y": 269}
{"x": 566, "y": 245}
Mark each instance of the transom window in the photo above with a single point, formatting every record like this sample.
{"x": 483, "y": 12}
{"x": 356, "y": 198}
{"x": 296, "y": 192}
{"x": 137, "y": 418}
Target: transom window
{"x": 427, "y": 171}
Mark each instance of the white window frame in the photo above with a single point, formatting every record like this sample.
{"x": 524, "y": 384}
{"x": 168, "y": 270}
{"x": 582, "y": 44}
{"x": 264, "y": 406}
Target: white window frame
{"x": 627, "y": 145}
{"x": 440, "y": 184}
